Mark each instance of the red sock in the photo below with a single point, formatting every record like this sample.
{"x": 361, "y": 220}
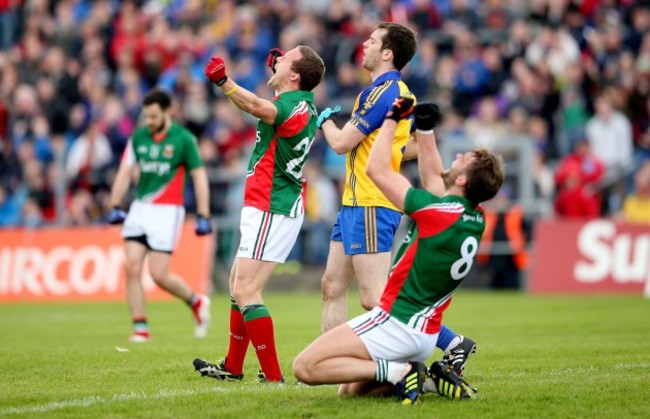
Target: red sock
{"x": 238, "y": 340}
{"x": 259, "y": 326}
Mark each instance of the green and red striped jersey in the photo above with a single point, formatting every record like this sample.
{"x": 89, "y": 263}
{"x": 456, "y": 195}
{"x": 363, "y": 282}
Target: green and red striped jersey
{"x": 437, "y": 253}
{"x": 274, "y": 181}
{"x": 163, "y": 163}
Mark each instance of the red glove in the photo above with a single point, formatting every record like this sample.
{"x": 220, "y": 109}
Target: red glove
{"x": 215, "y": 71}
{"x": 272, "y": 58}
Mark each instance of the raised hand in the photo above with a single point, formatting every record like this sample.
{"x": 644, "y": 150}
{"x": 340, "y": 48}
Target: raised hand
{"x": 402, "y": 108}
{"x": 272, "y": 58}
{"x": 427, "y": 116}
{"x": 327, "y": 113}
{"x": 215, "y": 71}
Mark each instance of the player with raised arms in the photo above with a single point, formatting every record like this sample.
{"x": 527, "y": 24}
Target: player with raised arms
{"x": 385, "y": 348}
{"x": 273, "y": 209}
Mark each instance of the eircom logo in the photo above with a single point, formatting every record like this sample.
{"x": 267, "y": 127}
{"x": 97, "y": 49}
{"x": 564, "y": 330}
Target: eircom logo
{"x": 61, "y": 271}
{"x": 87, "y": 264}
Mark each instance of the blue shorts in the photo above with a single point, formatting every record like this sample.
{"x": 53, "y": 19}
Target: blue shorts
{"x": 366, "y": 229}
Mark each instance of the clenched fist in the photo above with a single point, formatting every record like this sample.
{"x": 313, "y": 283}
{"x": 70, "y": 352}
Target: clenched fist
{"x": 272, "y": 58}
{"x": 215, "y": 71}
{"x": 402, "y": 108}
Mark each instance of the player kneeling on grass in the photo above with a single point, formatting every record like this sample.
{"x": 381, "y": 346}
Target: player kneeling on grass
{"x": 384, "y": 349}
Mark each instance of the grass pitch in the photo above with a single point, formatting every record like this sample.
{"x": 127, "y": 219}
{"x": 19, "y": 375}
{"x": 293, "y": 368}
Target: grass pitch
{"x": 565, "y": 357}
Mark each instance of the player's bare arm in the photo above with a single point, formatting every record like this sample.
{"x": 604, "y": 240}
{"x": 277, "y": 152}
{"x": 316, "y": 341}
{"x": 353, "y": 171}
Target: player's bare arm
{"x": 411, "y": 150}
{"x": 249, "y": 102}
{"x": 341, "y": 140}
{"x": 120, "y": 184}
{"x": 201, "y": 191}
{"x": 245, "y": 100}
{"x": 392, "y": 184}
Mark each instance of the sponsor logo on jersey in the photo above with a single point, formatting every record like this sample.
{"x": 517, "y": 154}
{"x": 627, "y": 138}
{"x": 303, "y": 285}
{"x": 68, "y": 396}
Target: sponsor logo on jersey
{"x": 154, "y": 151}
{"x": 478, "y": 218}
{"x": 356, "y": 246}
{"x": 159, "y": 168}
{"x": 168, "y": 151}
{"x": 142, "y": 149}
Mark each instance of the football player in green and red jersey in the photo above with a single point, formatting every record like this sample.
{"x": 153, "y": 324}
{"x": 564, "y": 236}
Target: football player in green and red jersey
{"x": 273, "y": 208}
{"x": 164, "y": 152}
{"x": 389, "y": 344}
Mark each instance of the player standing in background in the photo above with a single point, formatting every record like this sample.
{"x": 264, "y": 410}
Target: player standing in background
{"x": 362, "y": 237}
{"x": 163, "y": 151}
{"x": 437, "y": 253}
{"x": 273, "y": 207}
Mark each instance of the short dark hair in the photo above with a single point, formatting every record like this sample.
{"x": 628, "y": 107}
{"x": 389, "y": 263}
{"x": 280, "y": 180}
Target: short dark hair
{"x": 310, "y": 67}
{"x": 400, "y": 40}
{"x": 484, "y": 176}
{"x": 162, "y": 98}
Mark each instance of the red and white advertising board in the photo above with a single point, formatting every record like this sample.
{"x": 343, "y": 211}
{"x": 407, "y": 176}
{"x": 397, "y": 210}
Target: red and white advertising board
{"x": 87, "y": 264}
{"x": 596, "y": 256}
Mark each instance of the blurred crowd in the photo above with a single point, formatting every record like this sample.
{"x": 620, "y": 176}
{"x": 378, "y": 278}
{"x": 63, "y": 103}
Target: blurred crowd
{"x": 571, "y": 78}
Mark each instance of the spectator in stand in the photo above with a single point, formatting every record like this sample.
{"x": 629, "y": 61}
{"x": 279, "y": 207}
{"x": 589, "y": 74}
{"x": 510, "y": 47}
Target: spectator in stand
{"x": 575, "y": 107}
{"x": 9, "y": 209}
{"x": 555, "y": 47}
{"x": 472, "y": 76}
{"x": 89, "y": 155}
{"x": 578, "y": 178}
{"x": 609, "y": 133}
{"x": 636, "y": 206}
{"x": 487, "y": 129}
{"x": 425, "y": 15}
{"x": 452, "y": 127}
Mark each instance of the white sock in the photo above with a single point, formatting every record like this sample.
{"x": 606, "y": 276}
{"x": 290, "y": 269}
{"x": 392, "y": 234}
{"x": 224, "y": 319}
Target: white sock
{"x": 390, "y": 371}
{"x": 455, "y": 341}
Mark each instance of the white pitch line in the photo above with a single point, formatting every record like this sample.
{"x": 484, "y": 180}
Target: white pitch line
{"x": 97, "y": 400}
{"x": 117, "y": 398}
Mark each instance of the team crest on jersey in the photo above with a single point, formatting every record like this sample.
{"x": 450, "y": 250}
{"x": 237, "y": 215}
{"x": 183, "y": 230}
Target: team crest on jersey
{"x": 142, "y": 149}
{"x": 168, "y": 151}
{"x": 154, "y": 151}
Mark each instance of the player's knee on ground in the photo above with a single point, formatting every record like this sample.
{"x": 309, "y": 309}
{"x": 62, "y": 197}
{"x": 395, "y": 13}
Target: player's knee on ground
{"x": 303, "y": 370}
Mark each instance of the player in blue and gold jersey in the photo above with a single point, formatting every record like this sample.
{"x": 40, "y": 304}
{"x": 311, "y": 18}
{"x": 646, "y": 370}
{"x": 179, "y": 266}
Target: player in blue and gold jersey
{"x": 362, "y": 237}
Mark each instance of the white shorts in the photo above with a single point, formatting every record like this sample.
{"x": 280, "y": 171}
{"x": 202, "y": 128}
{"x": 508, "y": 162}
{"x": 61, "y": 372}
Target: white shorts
{"x": 385, "y": 337}
{"x": 159, "y": 224}
{"x": 267, "y": 236}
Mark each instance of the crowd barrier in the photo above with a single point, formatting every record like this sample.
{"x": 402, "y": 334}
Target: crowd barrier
{"x": 87, "y": 264}
{"x": 596, "y": 256}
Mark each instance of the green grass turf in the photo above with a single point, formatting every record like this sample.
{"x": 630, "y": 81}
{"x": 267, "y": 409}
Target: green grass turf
{"x": 565, "y": 357}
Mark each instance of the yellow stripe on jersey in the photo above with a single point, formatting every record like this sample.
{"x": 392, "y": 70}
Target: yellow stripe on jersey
{"x": 359, "y": 189}
{"x": 370, "y": 216}
{"x": 376, "y": 93}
